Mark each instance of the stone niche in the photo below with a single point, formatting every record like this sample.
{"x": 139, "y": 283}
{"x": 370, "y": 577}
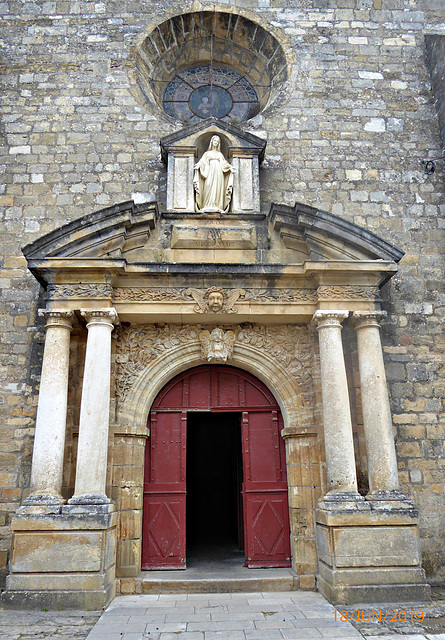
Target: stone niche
{"x": 183, "y": 149}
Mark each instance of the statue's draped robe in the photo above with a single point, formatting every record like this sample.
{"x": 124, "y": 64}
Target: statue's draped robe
{"x": 213, "y": 182}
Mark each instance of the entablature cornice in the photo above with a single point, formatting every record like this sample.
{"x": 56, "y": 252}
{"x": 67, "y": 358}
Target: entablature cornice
{"x": 159, "y": 292}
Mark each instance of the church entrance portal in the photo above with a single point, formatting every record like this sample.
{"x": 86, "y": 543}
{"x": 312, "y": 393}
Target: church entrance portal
{"x": 215, "y": 472}
{"x": 214, "y": 468}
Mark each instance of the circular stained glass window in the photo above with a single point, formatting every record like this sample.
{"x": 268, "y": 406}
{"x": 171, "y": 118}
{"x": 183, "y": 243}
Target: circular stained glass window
{"x": 210, "y": 92}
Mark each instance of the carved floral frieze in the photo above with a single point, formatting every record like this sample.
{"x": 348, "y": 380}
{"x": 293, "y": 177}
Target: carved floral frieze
{"x": 291, "y": 346}
{"x": 79, "y": 290}
{"x": 281, "y": 295}
{"x": 211, "y": 300}
{"x": 149, "y": 294}
{"x": 348, "y": 292}
{"x": 220, "y": 300}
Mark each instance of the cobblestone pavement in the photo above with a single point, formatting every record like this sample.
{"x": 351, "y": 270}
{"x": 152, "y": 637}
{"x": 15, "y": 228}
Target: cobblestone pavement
{"x": 33, "y": 625}
{"x": 417, "y": 621}
{"x": 238, "y": 616}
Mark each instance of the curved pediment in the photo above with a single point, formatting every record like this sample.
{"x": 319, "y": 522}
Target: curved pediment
{"x": 106, "y": 233}
{"x": 319, "y": 235}
{"x": 282, "y": 266}
{"x": 124, "y": 231}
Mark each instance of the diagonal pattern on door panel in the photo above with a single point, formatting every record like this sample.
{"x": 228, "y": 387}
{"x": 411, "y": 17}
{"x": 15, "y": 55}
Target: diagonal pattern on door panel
{"x": 267, "y": 528}
{"x": 164, "y": 521}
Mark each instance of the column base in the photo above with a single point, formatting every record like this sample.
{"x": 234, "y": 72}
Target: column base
{"x": 389, "y": 500}
{"x": 64, "y": 560}
{"x": 369, "y": 556}
{"x": 343, "y": 501}
{"x": 48, "y": 499}
{"x": 90, "y": 498}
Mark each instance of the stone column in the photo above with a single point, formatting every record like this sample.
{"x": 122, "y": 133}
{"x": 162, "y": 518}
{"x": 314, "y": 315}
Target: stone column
{"x": 380, "y": 447}
{"x": 340, "y": 459}
{"x": 49, "y": 441}
{"x": 91, "y": 469}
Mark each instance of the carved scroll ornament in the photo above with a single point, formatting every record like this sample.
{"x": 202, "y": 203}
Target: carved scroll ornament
{"x": 291, "y": 346}
{"x": 212, "y": 300}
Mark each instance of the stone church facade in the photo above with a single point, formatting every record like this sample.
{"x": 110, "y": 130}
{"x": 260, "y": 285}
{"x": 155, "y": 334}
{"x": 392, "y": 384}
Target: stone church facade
{"x": 229, "y": 216}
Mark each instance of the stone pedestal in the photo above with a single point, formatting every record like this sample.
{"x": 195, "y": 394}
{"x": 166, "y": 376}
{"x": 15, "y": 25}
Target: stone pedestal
{"x": 370, "y": 556}
{"x": 64, "y": 560}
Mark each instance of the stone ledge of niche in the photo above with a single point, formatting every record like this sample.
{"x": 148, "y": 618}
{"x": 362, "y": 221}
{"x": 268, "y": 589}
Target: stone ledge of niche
{"x": 66, "y": 521}
{"x": 130, "y": 430}
{"x": 367, "y": 518}
{"x": 232, "y": 215}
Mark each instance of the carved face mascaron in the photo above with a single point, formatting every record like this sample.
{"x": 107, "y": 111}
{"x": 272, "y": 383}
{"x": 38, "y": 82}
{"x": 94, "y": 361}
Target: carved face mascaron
{"x": 215, "y": 301}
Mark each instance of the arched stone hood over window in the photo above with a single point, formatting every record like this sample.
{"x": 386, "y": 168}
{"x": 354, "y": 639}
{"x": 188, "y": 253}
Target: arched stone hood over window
{"x": 277, "y": 268}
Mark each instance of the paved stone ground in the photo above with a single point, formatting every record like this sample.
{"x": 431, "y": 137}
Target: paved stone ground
{"x": 418, "y": 621}
{"x": 294, "y": 615}
{"x": 290, "y": 615}
{"x": 33, "y": 625}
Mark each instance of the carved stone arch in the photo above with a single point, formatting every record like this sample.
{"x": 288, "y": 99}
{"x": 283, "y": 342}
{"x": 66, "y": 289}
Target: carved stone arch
{"x": 134, "y": 410}
{"x": 296, "y": 407}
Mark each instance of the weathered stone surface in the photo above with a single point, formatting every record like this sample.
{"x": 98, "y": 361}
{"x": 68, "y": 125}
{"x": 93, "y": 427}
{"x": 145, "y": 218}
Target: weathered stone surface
{"x": 368, "y": 563}
{"x": 343, "y": 136}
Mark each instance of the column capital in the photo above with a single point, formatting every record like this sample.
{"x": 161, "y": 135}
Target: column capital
{"x": 106, "y": 316}
{"x": 57, "y": 317}
{"x": 362, "y": 319}
{"x": 329, "y": 318}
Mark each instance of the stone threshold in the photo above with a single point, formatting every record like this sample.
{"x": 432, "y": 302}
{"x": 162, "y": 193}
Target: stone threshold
{"x": 239, "y": 580}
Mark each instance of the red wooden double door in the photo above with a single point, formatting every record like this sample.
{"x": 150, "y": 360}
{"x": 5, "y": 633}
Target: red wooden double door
{"x": 215, "y": 460}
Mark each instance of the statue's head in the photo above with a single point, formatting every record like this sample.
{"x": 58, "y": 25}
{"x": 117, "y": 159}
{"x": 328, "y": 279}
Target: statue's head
{"x": 215, "y": 142}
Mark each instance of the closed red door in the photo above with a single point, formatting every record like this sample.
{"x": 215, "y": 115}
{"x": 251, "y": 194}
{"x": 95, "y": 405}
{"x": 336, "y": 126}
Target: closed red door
{"x": 264, "y": 489}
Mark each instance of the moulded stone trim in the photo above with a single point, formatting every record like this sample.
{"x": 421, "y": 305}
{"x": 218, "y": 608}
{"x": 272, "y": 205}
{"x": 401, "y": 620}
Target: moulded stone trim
{"x": 288, "y": 393}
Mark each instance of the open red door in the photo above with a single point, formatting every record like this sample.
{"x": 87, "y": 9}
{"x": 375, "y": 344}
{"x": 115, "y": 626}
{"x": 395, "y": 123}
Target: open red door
{"x": 163, "y": 544}
{"x": 216, "y": 388}
{"x": 266, "y": 513}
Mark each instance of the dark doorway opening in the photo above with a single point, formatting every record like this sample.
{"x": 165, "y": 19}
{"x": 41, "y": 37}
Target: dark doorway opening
{"x": 214, "y": 483}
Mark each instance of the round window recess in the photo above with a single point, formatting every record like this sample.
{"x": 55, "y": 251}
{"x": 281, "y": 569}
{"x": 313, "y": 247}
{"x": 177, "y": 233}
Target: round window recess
{"x": 210, "y": 65}
{"x": 210, "y": 92}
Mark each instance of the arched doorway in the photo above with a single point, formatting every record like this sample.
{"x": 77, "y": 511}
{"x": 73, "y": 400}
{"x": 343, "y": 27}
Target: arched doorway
{"x": 215, "y": 470}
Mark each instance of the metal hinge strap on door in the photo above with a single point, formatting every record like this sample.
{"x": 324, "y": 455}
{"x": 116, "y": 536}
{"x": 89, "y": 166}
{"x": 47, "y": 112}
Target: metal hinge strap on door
{"x": 276, "y": 444}
{"x": 246, "y": 452}
{"x": 183, "y": 445}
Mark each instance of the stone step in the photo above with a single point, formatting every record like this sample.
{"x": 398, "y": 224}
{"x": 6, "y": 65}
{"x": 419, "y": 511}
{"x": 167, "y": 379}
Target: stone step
{"x": 231, "y": 581}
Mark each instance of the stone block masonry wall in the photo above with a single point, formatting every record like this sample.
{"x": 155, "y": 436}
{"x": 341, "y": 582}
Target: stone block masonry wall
{"x": 435, "y": 51}
{"x": 346, "y": 134}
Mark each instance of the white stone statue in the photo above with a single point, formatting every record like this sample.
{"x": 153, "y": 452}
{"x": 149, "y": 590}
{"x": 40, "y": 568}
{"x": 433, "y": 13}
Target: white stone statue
{"x": 213, "y": 180}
